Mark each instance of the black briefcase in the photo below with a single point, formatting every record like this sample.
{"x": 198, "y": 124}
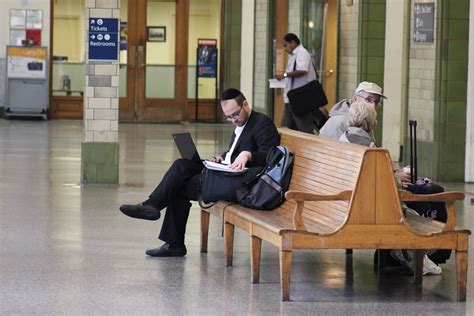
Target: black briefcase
{"x": 307, "y": 98}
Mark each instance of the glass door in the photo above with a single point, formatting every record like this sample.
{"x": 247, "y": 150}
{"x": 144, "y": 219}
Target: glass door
{"x": 153, "y": 60}
{"x": 320, "y": 37}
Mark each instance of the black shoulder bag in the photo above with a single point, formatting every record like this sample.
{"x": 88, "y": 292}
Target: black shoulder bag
{"x": 306, "y": 98}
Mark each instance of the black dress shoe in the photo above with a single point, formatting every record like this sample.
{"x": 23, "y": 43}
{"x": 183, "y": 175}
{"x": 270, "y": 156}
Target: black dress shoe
{"x": 167, "y": 251}
{"x": 142, "y": 211}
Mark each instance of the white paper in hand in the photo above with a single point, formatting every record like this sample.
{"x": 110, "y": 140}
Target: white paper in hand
{"x": 218, "y": 166}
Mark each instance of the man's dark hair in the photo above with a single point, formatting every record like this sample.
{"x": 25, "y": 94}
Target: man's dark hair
{"x": 234, "y": 94}
{"x": 291, "y": 37}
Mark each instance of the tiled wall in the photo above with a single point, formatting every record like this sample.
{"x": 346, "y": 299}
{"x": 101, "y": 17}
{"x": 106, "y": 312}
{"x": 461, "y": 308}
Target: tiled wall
{"x": 233, "y": 26}
{"x": 262, "y": 50}
{"x": 437, "y": 93}
{"x": 469, "y": 170}
{"x": 348, "y": 49}
{"x": 294, "y": 17}
{"x": 2, "y": 85}
{"x": 101, "y": 85}
{"x": 421, "y": 99}
{"x": 422, "y": 76}
{"x": 100, "y": 149}
{"x": 450, "y": 107}
{"x": 371, "y": 49}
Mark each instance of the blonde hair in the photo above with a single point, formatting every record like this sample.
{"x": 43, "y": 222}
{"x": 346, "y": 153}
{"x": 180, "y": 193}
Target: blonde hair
{"x": 362, "y": 114}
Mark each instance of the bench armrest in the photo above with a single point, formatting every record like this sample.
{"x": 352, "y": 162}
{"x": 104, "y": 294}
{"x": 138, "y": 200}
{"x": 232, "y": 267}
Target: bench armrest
{"x": 448, "y": 197}
{"x": 300, "y": 197}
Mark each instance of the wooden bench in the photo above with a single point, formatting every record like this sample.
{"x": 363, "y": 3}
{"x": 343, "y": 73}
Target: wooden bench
{"x": 341, "y": 196}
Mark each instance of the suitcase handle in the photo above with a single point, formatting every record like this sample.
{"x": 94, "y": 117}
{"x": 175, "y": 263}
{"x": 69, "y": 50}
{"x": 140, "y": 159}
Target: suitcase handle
{"x": 413, "y": 153}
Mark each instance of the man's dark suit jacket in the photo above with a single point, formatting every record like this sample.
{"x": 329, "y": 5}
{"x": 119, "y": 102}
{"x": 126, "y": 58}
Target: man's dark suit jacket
{"x": 258, "y": 136}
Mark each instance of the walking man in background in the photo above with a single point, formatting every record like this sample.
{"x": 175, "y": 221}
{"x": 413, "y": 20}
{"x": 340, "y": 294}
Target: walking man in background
{"x": 300, "y": 71}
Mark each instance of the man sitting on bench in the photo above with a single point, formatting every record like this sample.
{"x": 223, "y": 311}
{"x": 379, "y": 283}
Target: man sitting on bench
{"x": 254, "y": 135}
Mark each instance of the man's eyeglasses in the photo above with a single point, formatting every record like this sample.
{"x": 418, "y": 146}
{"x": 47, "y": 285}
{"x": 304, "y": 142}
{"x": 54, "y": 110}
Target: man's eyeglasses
{"x": 234, "y": 115}
{"x": 371, "y": 99}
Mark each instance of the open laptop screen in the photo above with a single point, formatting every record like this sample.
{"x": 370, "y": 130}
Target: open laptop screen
{"x": 186, "y": 147}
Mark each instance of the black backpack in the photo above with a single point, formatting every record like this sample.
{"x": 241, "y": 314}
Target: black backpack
{"x": 267, "y": 190}
{"x": 433, "y": 210}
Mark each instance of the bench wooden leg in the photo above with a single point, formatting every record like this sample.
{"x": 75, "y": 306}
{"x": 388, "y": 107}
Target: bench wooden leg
{"x": 229, "y": 243}
{"x": 461, "y": 273}
{"x": 256, "y": 250}
{"x": 348, "y": 251}
{"x": 418, "y": 265}
{"x": 204, "y": 230}
{"x": 285, "y": 274}
{"x": 382, "y": 259}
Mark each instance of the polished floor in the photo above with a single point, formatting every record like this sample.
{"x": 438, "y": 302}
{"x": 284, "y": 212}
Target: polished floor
{"x": 66, "y": 249}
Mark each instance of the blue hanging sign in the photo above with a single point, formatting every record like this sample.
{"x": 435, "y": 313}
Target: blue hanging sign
{"x": 103, "y": 39}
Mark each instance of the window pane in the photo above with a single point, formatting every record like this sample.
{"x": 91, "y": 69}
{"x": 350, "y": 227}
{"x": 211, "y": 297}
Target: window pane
{"x": 160, "y": 49}
{"x": 204, "y": 22}
{"x": 313, "y": 29}
{"x": 68, "y": 47}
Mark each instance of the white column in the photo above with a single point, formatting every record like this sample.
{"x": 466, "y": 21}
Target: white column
{"x": 101, "y": 84}
{"x": 395, "y": 76}
{"x": 247, "y": 49}
{"x": 469, "y": 171}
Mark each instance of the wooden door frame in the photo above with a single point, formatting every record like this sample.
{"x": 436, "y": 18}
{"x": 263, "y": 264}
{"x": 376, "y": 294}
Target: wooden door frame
{"x": 60, "y": 107}
{"x": 331, "y": 52}
{"x": 127, "y": 110}
{"x": 156, "y": 109}
{"x": 281, "y": 28}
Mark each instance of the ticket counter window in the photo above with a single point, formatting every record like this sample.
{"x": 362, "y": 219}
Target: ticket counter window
{"x": 68, "y": 48}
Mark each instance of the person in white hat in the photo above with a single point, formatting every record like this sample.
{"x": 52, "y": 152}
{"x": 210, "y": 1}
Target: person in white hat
{"x": 336, "y": 125}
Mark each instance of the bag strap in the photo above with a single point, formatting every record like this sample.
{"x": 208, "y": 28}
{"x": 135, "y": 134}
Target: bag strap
{"x": 312, "y": 63}
{"x": 293, "y": 78}
{"x": 203, "y": 204}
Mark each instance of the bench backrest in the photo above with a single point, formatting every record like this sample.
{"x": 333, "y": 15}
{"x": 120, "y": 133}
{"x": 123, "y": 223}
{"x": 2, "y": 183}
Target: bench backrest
{"x": 323, "y": 166}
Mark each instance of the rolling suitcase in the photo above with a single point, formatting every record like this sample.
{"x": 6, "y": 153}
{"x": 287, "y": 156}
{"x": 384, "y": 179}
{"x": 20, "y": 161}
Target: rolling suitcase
{"x": 433, "y": 210}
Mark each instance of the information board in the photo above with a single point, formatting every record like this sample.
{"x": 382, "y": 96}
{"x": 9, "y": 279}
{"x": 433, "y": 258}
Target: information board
{"x": 26, "y": 62}
{"x": 103, "y": 39}
{"x": 423, "y": 23}
{"x": 207, "y": 58}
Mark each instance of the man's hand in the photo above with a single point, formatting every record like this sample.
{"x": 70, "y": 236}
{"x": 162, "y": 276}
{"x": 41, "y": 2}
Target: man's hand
{"x": 279, "y": 75}
{"x": 217, "y": 159}
{"x": 241, "y": 160}
{"x": 403, "y": 176}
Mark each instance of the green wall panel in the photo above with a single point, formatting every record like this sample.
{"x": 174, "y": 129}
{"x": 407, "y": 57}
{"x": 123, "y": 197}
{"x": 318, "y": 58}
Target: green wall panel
{"x": 451, "y": 90}
{"x": 100, "y": 163}
{"x": 232, "y": 43}
{"x": 371, "y": 49}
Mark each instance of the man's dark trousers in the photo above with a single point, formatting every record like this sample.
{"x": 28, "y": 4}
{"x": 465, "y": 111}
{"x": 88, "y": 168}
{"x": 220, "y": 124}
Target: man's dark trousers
{"x": 179, "y": 186}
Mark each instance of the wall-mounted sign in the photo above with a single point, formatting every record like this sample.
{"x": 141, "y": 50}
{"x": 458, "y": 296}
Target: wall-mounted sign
{"x": 26, "y": 62}
{"x": 34, "y": 19}
{"x": 103, "y": 39}
{"x": 207, "y": 58}
{"x": 17, "y": 19}
{"x": 423, "y": 22}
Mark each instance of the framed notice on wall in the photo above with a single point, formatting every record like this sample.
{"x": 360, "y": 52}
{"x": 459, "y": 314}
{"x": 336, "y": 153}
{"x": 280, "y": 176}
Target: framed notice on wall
{"x": 17, "y": 19}
{"x": 34, "y": 19}
{"x": 26, "y": 62}
{"x": 423, "y": 22}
